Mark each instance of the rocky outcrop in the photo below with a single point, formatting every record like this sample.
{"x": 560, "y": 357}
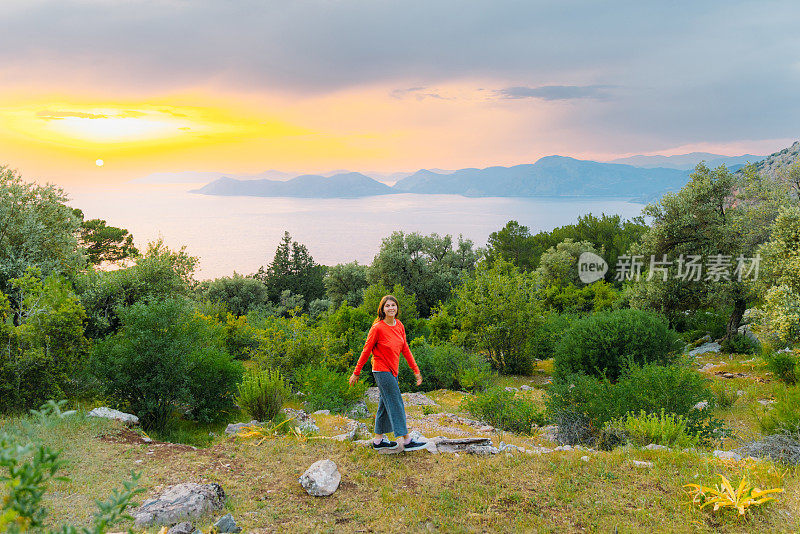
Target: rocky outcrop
{"x": 109, "y": 413}
{"x": 178, "y": 503}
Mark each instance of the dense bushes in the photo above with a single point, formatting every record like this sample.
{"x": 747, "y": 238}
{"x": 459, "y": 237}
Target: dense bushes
{"x": 607, "y": 343}
{"x": 326, "y": 389}
{"x": 739, "y": 344}
{"x": 262, "y": 394}
{"x": 445, "y": 366}
{"x": 41, "y": 332}
{"x": 592, "y": 401}
{"x": 163, "y": 356}
{"x": 504, "y": 410}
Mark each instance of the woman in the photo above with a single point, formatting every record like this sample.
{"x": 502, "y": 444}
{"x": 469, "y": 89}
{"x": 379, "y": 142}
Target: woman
{"x": 386, "y": 340}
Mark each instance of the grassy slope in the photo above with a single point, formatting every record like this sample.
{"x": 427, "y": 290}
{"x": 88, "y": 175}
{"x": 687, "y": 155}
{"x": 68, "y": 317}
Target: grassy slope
{"x": 418, "y": 491}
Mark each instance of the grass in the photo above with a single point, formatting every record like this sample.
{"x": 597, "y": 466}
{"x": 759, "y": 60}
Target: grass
{"x": 420, "y": 492}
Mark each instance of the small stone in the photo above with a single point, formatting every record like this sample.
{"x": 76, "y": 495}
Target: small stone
{"x": 147, "y": 439}
{"x": 706, "y": 347}
{"x": 109, "y": 413}
{"x": 739, "y": 392}
{"x": 321, "y": 478}
{"x": 639, "y": 463}
{"x": 226, "y": 524}
{"x": 707, "y": 367}
{"x": 235, "y": 428}
{"x": 766, "y": 402}
{"x": 486, "y": 428}
{"x": 322, "y": 412}
{"x": 563, "y": 448}
{"x": 702, "y": 405}
{"x": 656, "y": 447}
{"x": 525, "y": 387}
{"x": 585, "y": 458}
{"x": 511, "y": 389}
{"x": 182, "y": 528}
{"x": 417, "y": 399}
{"x": 727, "y": 455}
{"x": 359, "y": 410}
{"x": 539, "y": 450}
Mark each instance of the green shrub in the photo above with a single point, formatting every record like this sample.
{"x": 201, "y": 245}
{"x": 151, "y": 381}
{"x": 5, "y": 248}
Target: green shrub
{"x": 725, "y": 397}
{"x": 739, "y": 344}
{"x": 650, "y": 388}
{"x": 661, "y": 428}
{"x": 325, "y": 389}
{"x": 164, "y": 356}
{"x": 547, "y": 336}
{"x": 444, "y": 366}
{"x": 607, "y": 343}
{"x": 698, "y": 323}
{"x": 784, "y": 415}
{"x": 262, "y": 393}
{"x": 783, "y": 365}
{"x": 502, "y": 409}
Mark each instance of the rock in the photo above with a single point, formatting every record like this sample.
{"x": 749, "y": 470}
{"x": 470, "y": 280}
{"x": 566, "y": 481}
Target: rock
{"x": 746, "y": 331}
{"x": 179, "y": 503}
{"x": 706, "y": 347}
{"x": 539, "y": 450}
{"x": 308, "y": 427}
{"x": 486, "y": 428}
{"x": 182, "y": 528}
{"x": 511, "y": 389}
{"x": 727, "y": 455}
{"x": 373, "y": 395}
{"x": 526, "y": 387}
{"x": 705, "y": 339}
{"x": 322, "y": 412}
{"x": 766, "y": 402}
{"x": 358, "y": 411}
{"x": 234, "y": 428}
{"x": 226, "y": 523}
{"x": 642, "y": 464}
{"x": 707, "y": 368}
{"x": 354, "y": 428}
{"x": 702, "y": 405}
{"x": 109, "y": 413}
{"x": 585, "y": 458}
{"x": 739, "y": 392}
{"x": 563, "y": 448}
{"x": 656, "y": 447}
{"x": 417, "y": 399}
{"x": 469, "y": 445}
{"x": 508, "y": 447}
{"x": 321, "y": 478}
{"x": 299, "y": 415}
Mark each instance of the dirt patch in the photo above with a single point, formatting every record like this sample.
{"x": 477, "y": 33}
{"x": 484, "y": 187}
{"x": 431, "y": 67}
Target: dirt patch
{"x": 124, "y": 435}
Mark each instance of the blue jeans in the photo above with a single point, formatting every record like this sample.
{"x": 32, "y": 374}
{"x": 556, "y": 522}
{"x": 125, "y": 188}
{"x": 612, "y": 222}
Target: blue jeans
{"x": 391, "y": 416}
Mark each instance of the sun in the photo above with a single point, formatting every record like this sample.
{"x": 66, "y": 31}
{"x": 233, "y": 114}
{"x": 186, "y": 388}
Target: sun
{"x": 99, "y": 162}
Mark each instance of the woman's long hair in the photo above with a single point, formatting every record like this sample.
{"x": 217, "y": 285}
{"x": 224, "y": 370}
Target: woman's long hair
{"x": 381, "y": 313}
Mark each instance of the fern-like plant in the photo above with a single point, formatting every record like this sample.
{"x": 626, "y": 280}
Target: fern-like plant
{"x": 262, "y": 393}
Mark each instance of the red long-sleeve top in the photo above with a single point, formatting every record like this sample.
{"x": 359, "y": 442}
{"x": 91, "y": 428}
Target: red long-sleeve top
{"x": 386, "y": 343}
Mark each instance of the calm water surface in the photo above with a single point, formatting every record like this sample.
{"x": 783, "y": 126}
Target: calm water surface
{"x": 241, "y": 233}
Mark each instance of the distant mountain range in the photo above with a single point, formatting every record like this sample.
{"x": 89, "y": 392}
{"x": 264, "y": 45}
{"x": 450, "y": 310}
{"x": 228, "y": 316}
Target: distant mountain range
{"x": 688, "y": 162}
{"x": 551, "y": 176}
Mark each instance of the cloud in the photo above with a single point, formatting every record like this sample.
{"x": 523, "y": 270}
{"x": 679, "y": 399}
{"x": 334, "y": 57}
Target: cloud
{"x": 418, "y": 93}
{"x": 55, "y": 115}
{"x": 556, "y": 92}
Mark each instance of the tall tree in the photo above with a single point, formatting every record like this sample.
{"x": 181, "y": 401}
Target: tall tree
{"x": 427, "y": 266}
{"x": 292, "y": 268}
{"x": 708, "y": 239}
{"x": 37, "y": 229}
{"x": 103, "y": 243}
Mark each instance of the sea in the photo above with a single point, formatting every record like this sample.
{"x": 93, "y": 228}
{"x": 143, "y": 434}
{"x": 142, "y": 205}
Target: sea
{"x": 241, "y": 233}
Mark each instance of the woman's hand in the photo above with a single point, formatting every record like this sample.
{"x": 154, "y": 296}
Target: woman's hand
{"x": 419, "y": 378}
{"x": 353, "y": 379}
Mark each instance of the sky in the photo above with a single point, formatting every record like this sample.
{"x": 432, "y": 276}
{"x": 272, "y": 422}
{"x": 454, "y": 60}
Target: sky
{"x": 243, "y": 86}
